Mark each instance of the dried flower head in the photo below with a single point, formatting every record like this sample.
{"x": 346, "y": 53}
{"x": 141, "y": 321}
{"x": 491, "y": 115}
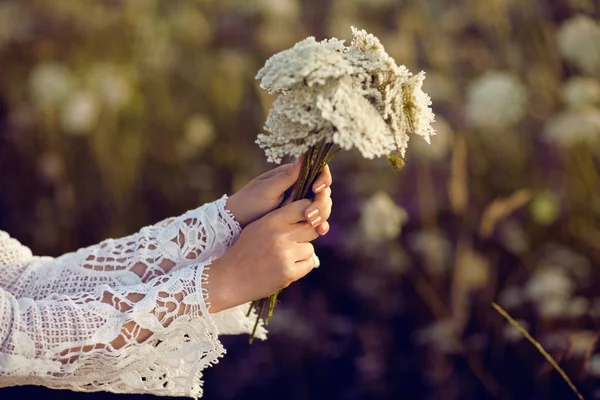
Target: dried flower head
{"x": 353, "y": 96}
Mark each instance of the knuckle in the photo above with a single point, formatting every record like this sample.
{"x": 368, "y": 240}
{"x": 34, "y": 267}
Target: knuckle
{"x": 288, "y": 274}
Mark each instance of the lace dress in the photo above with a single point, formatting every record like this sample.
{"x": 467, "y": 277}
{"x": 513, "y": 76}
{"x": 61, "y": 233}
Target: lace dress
{"x": 125, "y": 316}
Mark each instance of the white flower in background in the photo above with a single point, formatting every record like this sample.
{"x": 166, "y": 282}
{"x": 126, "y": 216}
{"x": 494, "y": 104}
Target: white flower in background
{"x": 549, "y": 284}
{"x": 382, "y": 218}
{"x": 511, "y": 297}
{"x": 288, "y": 10}
{"x": 577, "y": 307}
{"x": 441, "y": 334}
{"x": 199, "y": 132}
{"x": 496, "y": 100}
{"x": 112, "y": 84}
{"x": 511, "y": 334}
{"x": 513, "y": 237}
{"x": 578, "y": 42}
{"x": 434, "y": 247}
{"x": 50, "y": 83}
{"x": 353, "y": 96}
{"x": 573, "y": 126}
{"x": 80, "y": 113}
{"x": 440, "y": 147}
{"x": 187, "y": 21}
{"x": 580, "y": 91}
{"x": 577, "y": 265}
{"x": 594, "y": 365}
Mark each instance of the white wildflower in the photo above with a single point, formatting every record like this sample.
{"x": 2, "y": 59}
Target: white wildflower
{"x": 511, "y": 297}
{"x": 199, "y": 132}
{"x": 112, "y": 84}
{"x": 434, "y": 246}
{"x": 382, "y": 218}
{"x": 80, "y": 113}
{"x": 570, "y": 127}
{"x": 580, "y": 91}
{"x": 514, "y": 237}
{"x": 578, "y": 307}
{"x": 441, "y": 335}
{"x": 575, "y": 264}
{"x": 50, "y": 83}
{"x": 353, "y": 96}
{"x": 496, "y": 100}
{"x": 548, "y": 284}
{"x": 553, "y": 308}
{"x": 594, "y": 365}
{"x": 578, "y": 42}
{"x": 287, "y": 10}
{"x": 511, "y": 334}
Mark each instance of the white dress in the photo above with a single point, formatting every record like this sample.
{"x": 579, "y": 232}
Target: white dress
{"x": 75, "y": 322}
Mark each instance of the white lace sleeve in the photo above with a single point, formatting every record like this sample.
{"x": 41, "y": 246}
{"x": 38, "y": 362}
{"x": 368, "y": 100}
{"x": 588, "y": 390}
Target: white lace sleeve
{"x": 196, "y": 236}
{"x": 48, "y": 305}
{"x": 154, "y": 338}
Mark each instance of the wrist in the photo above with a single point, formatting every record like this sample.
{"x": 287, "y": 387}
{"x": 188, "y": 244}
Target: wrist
{"x": 235, "y": 207}
{"x": 217, "y": 286}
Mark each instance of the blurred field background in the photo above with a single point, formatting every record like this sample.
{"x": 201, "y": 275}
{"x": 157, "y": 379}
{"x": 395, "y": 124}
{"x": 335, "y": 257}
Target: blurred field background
{"x": 116, "y": 114}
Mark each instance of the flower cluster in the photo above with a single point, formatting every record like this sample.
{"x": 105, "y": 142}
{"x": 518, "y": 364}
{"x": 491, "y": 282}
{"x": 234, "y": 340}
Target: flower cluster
{"x": 353, "y": 96}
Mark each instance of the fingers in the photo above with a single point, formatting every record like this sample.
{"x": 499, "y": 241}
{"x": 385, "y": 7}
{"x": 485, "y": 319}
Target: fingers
{"x": 305, "y": 266}
{"x": 292, "y": 213}
{"x": 323, "y": 181}
{"x": 320, "y": 209}
{"x": 303, "y": 251}
{"x": 303, "y": 232}
{"x": 323, "y": 228}
{"x": 283, "y": 177}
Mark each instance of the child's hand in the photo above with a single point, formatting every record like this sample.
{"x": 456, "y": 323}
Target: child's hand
{"x": 265, "y": 193}
{"x": 271, "y": 253}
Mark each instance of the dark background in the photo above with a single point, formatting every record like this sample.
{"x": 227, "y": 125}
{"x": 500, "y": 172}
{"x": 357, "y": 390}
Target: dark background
{"x": 116, "y": 114}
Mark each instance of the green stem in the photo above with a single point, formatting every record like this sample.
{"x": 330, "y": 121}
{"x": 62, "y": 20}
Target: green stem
{"x": 260, "y": 312}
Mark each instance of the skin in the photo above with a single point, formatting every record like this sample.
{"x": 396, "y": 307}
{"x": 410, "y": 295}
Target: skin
{"x": 274, "y": 247}
{"x": 272, "y": 251}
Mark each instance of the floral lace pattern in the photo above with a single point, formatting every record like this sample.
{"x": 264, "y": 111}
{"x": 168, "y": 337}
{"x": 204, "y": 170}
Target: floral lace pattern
{"x": 127, "y": 316}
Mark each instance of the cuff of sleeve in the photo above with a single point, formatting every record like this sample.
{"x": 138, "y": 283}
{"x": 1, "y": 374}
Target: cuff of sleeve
{"x": 228, "y": 217}
{"x": 236, "y": 321}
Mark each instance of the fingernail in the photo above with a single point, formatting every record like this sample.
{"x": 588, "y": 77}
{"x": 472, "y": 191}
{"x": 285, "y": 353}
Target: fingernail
{"x": 312, "y": 214}
{"x": 315, "y": 222}
{"x": 296, "y": 162}
{"x": 320, "y": 187}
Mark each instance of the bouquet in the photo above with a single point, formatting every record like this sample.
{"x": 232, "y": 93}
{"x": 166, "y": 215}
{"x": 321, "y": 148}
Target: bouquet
{"x": 332, "y": 97}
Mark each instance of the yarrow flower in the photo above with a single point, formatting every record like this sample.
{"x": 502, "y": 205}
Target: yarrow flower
{"x": 352, "y": 96}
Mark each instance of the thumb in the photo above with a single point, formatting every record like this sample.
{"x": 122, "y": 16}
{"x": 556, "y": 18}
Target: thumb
{"x": 285, "y": 177}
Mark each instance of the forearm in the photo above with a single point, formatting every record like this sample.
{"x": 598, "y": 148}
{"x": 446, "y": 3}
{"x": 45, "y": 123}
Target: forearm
{"x": 91, "y": 341}
{"x": 196, "y": 236}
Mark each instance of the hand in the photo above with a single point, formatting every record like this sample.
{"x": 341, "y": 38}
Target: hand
{"x": 266, "y": 192}
{"x": 271, "y": 253}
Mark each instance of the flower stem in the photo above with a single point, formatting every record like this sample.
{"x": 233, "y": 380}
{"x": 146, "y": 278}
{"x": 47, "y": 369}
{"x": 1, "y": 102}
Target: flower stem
{"x": 313, "y": 163}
